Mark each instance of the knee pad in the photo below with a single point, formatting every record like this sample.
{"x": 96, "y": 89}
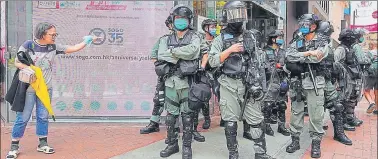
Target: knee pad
{"x": 257, "y": 131}
{"x": 231, "y": 128}
{"x": 171, "y": 119}
{"x": 339, "y": 108}
{"x": 187, "y": 117}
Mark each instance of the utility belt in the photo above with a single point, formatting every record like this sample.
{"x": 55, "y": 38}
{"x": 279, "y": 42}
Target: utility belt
{"x": 181, "y": 69}
{"x": 316, "y": 70}
{"x": 236, "y": 76}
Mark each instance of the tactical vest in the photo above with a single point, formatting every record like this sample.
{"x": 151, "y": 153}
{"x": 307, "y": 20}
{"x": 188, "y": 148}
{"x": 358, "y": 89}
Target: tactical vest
{"x": 233, "y": 65}
{"x": 351, "y": 63}
{"x": 297, "y": 68}
{"x": 350, "y": 58}
{"x": 270, "y": 55}
{"x": 185, "y": 67}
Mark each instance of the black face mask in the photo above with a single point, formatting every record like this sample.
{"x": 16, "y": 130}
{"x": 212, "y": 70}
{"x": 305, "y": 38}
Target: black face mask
{"x": 234, "y": 28}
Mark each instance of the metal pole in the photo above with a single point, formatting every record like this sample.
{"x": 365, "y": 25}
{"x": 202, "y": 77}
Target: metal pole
{"x": 354, "y": 18}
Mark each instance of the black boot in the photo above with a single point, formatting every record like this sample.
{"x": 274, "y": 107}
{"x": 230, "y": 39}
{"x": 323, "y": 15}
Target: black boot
{"x": 339, "y": 134}
{"x": 246, "y": 130}
{"x": 206, "y": 115}
{"x": 357, "y": 122}
{"x": 206, "y": 123}
{"x": 260, "y": 142}
{"x": 281, "y": 120}
{"x": 306, "y": 110}
{"x": 232, "y": 144}
{"x": 282, "y": 129}
{"x": 187, "y": 123}
{"x": 267, "y": 118}
{"x": 294, "y": 146}
{"x": 268, "y": 130}
{"x": 196, "y": 135}
{"x": 222, "y": 123}
{"x": 349, "y": 122}
{"x": 150, "y": 128}
{"x": 348, "y": 127}
{"x": 273, "y": 116}
{"x": 315, "y": 148}
{"x": 172, "y": 136}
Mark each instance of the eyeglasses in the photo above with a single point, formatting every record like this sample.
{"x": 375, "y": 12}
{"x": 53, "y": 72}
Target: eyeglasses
{"x": 53, "y": 35}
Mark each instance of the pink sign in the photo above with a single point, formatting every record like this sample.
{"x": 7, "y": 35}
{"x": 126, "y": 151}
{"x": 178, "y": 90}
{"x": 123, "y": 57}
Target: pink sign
{"x": 371, "y": 28}
{"x": 114, "y": 76}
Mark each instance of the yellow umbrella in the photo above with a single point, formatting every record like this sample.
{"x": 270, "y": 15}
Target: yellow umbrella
{"x": 41, "y": 91}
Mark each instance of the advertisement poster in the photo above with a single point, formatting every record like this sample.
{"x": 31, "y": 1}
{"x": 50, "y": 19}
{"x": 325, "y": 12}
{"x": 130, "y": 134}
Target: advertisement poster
{"x": 364, "y": 14}
{"x": 113, "y": 76}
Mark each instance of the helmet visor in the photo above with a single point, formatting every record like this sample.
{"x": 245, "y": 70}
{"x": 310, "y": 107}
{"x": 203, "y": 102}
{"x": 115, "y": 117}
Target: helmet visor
{"x": 305, "y": 24}
{"x": 235, "y": 15}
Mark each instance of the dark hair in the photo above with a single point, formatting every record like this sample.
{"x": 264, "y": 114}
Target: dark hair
{"x": 41, "y": 29}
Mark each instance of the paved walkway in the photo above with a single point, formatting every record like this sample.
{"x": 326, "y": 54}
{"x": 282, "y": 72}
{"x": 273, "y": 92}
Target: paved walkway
{"x": 364, "y": 139}
{"x": 123, "y": 141}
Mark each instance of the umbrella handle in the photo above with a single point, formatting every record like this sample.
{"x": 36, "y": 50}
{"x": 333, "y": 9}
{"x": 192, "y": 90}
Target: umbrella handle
{"x": 53, "y": 117}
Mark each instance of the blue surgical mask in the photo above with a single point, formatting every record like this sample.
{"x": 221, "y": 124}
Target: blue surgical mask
{"x": 279, "y": 41}
{"x": 361, "y": 39}
{"x": 213, "y": 31}
{"x": 304, "y": 30}
{"x": 181, "y": 24}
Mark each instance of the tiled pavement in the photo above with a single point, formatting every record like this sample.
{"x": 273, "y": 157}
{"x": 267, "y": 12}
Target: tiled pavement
{"x": 364, "y": 139}
{"x": 82, "y": 140}
{"x": 105, "y": 140}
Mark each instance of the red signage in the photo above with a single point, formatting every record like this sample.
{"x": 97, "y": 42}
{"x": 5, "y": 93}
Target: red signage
{"x": 375, "y": 14}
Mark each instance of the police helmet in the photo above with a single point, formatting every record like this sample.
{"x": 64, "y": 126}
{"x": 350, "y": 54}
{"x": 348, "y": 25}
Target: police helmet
{"x": 275, "y": 33}
{"x": 347, "y": 34}
{"x": 234, "y": 12}
{"x": 181, "y": 10}
{"x": 208, "y": 22}
{"x": 360, "y": 32}
{"x": 306, "y": 20}
{"x": 325, "y": 28}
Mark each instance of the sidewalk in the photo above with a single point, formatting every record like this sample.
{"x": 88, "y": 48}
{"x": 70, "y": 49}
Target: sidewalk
{"x": 81, "y": 140}
{"x": 364, "y": 139}
{"x": 123, "y": 141}
{"x": 215, "y": 146}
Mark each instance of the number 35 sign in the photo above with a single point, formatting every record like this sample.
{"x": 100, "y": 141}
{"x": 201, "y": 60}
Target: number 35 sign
{"x": 114, "y": 36}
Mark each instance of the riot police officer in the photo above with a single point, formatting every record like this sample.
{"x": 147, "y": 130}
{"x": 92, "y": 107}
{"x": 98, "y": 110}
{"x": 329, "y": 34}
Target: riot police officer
{"x": 208, "y": 26}
{"x": 333, "y": 98}
{"x": 276, "y": 98}
{"x": 158, "y": 99}
{"x": 350, "y": 84}
{"x": 364, "y": 62}
{"x": 230, "y": 51}
{"x": 307, "y": 77}
{"x": 179, "y": 50}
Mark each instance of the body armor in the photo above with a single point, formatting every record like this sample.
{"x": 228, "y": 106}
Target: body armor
{"x": 233, "y": 65}
{"x": 351, "y": 63}
{"x": 184, "y": 67}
